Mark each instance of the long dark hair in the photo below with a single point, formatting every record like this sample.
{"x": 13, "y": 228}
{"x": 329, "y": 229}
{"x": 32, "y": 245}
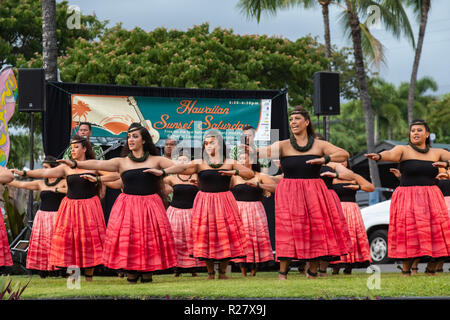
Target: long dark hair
{"x": 51, "y": 160}
{"x": 216, "y": 134}
{"x": 146, "y": 137}
{"x": 90, "y": 154}
{"x": 420, "y": 122}
{"x": 303, "y": 112}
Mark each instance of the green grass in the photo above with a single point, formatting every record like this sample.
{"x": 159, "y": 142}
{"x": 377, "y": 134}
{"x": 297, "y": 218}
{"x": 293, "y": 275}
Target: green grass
{"x": 264, "y": 285}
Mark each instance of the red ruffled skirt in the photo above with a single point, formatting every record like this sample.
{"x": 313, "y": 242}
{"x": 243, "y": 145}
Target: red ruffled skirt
{"x": 308, "y": 223}
{"x": 139, "y": 236}
{"x": 217, "y": 230}
{"x": 419, "y": 223}
{"x": 40, "y": 241}
{"x": 359, "y": 256}
{"x": 5, "y": 252}
{"x": 256, "y": 229}
{"x": 79, "y": 234}
{"x": 180, "y": 221}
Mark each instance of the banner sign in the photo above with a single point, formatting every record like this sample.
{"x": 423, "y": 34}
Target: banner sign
{"x": 190, "y": 118}
{"x": 8, "y": 93}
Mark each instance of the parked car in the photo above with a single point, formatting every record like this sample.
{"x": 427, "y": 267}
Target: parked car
{"x": 376, "y": 221}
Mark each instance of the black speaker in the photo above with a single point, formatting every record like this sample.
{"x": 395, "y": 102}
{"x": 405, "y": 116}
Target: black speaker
{"x": 31, "y": 95}
{"x": 326, "y": 93}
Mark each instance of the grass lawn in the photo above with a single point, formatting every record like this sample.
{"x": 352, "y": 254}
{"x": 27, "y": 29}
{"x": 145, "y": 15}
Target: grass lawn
{"x": 264, "y": 285}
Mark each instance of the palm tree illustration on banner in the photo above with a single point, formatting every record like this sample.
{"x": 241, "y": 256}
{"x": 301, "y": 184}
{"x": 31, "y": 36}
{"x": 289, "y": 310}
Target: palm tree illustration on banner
{"x": 80, "y": 110}
{"x": 113, "y": 114}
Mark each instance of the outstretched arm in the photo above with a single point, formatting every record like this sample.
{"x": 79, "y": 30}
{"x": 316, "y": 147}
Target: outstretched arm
{"x": 393, "y": 155}
{"x": 29, "y": 185}
{"x": 111, "y": 165}
{"x": 186, "y": 169}
{"x": 361, "y": 184}
{"x": 56, "y": 172}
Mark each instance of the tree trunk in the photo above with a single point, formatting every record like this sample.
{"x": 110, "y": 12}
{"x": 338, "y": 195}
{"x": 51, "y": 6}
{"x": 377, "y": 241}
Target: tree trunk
{"x": 327, "y": 38}
{"x": 412, "y": 85}
{"x": 49, "y": 40}
{"x": 363, "y": 91}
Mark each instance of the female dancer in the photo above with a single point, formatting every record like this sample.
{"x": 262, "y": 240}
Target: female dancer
{"x": 80, "y": 226}
{"x": 139, "y": 237}
{"x": 52, "y": 192}
{"x": 5, "y": 253}
{"x": 359, "y": 256}
{"x": 217, "y": 231}
{"x": 307, "y": 218}
{"x": 249, "y": 194}
{"x": 419, "y": 225}
{"x": 184, "y": 188}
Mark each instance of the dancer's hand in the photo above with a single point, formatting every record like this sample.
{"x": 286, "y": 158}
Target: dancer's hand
{"x": 67, "y": 162}
{"x": 320, "y": 160}
{"x": 227, "y": 172}
{"x": 89, "y": 177}
{"x": 443, "y": 176}
{"x": 373, "y": 156}
{"x": 155, "y": 172}
{"x": 328, "y": 174}
{"x": 396, "y": 172}
{"x": 18, "y": 172}
{"x": 352, "y": 187}
{"x": 440, "y": 164}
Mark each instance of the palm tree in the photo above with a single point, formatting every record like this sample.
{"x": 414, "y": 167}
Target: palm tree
{"x": 421, "y": 8}
{"x": 49, "y": 40}
{"x": 393, "y": 18}
{"x": 254, "y": 8}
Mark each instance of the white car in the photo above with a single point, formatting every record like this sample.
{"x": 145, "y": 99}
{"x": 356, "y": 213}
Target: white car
{"x": 376, "y": 221}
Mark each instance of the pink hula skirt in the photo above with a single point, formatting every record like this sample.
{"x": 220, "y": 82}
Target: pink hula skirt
{"x": 256, "y": 229}
{"x": 180, "y": 221}
{"x": 5, "y": 252}
{"x": 359, "y": 256}
{"x": 40, "y": 241}
{"x": 139, "y": 236}
{"x": 79, "y": 234}
{"x": 419, "y": 223}
{"x": 308, "y": 224}
{"x": 217, "y": 230}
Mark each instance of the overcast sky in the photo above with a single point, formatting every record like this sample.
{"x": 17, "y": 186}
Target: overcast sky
{"x": 291, "y": 24}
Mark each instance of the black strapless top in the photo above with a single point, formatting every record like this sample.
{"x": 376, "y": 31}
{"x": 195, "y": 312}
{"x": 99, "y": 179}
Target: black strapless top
{"x": 183, "y": 196}
{"x": 80, "y": 188}
{"x": 344, "y": 194}
{"x": 244, "y": 192}
{"x": 295, "y": 167}
{"x": 444, "y": 185}
{"x": 417, "y": 173}
{"x": 328, "y": 181}
{"x": 50, "y": 200}
{"x": 213, "y": 181}
{"x": 139, "y": 183}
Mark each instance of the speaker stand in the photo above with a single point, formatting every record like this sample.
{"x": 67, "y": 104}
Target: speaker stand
{"x": 20, "y": 255}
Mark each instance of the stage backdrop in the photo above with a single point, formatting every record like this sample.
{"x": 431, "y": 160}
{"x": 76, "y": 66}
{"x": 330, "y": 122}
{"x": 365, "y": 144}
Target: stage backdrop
{"x": 58, "y": 120}
{"x": 187, "y": 118}
{"x": 68, "y": 103}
